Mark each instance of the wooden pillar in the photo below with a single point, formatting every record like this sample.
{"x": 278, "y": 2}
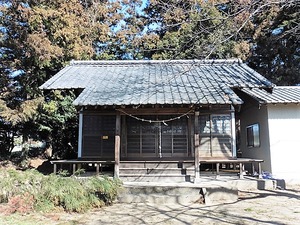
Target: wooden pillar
{"x": 80, "y": 134}
{"x": 233, "y": 133}
{"x": 74, "y": 168}
{"x": 197, "y": 149}
{"x": 98, "y": 168}
{"x": 259, "y": 171}
{"x": 117, "y": 145}
{"x": 54, "y": 168}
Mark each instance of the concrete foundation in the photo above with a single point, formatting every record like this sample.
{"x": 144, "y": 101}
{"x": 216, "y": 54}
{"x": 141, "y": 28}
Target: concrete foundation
{"x": 207, "y": 191}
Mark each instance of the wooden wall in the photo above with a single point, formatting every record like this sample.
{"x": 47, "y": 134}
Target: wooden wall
{"x": 164, "y": 139}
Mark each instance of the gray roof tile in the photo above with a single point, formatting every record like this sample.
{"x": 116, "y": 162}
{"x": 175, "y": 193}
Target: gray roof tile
{"x": 157, "y": 82}
{"x": 279, "y": 94}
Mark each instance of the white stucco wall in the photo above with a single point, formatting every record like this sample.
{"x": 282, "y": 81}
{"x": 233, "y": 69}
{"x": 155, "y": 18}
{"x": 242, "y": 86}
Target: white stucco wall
{"x": 249, "y": 115}
{"x": 284, "y": 128}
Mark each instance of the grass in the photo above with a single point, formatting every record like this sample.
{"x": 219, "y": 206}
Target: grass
{"x": 17, "y": 219}
{"x": 36, "y": 219}
{"x": 248, "y": 209}
{"x": 24, "y": 191}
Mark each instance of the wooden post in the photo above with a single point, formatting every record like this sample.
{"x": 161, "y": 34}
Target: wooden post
{"x": 117, "y": 146}
{"x": 54, "y": 168}
{"x": 98, "y": 168}
{"x": 197, "y": 149}
{"x": 74, "y": 168}
{"x": 259, "y": 170}
{"x": 80, "y": 134}
{"x": 241, "y": 171}
{"x": 233, "y": 133}
{"x": 217, "y": 170}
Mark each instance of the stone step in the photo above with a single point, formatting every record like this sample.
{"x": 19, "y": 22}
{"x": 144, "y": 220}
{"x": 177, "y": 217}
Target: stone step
{"x": 158, "y": 171}
{"x": 164, "y": 178}
{"x": 156, "y": 164}
{"x": 160, "y": 199}
{"x": 175, "y": 194}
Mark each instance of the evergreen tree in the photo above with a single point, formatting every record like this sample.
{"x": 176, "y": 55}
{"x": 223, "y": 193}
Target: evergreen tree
{"x": 190, "y": 29}
{"x": 276, "y": 53}
{"x": 38, "y": 38}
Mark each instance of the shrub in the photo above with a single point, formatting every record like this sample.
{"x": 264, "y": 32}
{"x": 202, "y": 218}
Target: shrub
{"x": 20, "y": 203}
{"x": 45, "y": 193}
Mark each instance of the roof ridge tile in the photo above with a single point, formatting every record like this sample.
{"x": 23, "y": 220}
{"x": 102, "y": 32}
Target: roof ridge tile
{"x": 141, "y": 62}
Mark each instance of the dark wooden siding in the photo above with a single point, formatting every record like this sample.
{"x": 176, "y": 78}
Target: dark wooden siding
{"x": 98, "y": 136}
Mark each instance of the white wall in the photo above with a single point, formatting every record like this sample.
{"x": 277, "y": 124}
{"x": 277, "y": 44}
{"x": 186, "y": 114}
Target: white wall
{"x": 284, "y": 125}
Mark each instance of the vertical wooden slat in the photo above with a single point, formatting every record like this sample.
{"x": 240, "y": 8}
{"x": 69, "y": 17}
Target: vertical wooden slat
{"x": 124, "y": 137}
{"x": 197, "y": 148}
{"x": 117, "y": 146}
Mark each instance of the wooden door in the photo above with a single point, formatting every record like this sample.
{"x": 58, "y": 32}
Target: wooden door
{"x": 157, "y": 139}
{"x": 98, "y": 136}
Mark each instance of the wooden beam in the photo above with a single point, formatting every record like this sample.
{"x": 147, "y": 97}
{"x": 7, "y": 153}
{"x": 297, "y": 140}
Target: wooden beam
{"x": 157, "y": 111}
{"x": 117, "y": 146}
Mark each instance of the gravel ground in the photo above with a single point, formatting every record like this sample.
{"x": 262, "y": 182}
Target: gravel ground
{"x": 253, "y": 207}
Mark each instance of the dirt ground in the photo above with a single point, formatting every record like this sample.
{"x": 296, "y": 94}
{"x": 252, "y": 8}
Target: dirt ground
{"x": 253, "y": 207}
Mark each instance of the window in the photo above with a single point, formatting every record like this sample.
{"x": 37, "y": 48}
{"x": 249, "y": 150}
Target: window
{"x": 215, "y": 124}
{"x": 253, "y": 135}
{"x": 216, "y": 137}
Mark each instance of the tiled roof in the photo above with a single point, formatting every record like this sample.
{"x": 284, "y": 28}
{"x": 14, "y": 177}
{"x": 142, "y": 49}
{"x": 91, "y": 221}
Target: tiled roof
{"x": 138, "y": 82}
{"x": 279, "y": 94}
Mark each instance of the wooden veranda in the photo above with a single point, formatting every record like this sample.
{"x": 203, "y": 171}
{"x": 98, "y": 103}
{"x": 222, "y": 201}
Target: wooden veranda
{"x": 215, "y": 162}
